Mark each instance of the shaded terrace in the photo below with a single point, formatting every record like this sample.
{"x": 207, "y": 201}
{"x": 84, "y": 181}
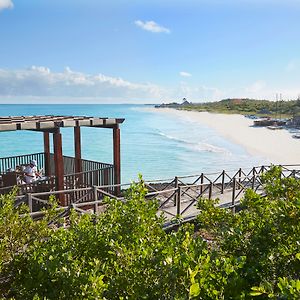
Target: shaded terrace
{"x": 61, "y": 172}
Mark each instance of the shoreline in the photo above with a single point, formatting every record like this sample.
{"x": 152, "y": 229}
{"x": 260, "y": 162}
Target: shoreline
{"x": 277, "y": 147}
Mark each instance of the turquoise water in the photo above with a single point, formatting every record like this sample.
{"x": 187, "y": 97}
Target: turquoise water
{"x": 156, "y": 145}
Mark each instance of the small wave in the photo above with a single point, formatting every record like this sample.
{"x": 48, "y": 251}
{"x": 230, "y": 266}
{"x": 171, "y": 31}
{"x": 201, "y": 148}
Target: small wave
{"x": 196, "y": 146}
{"x": 211, "y": 148}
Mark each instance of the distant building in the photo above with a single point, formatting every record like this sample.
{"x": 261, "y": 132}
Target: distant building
{"x": 185, "y": 102}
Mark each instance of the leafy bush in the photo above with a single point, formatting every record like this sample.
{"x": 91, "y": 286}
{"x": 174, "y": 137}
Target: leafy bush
{"x": 17, "y": 232}
{"x": 265, "y": 233}
{"x": 125, "y": 254}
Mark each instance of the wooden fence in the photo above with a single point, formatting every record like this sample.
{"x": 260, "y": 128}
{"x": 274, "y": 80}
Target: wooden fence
{"x": 11, "y": 162}
{"x": 177, "y": 197}
{"x": 94, "y": 173}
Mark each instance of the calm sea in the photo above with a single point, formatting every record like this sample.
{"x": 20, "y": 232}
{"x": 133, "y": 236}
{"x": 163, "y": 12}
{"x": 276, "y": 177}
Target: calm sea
{"x": 156, "y": 145}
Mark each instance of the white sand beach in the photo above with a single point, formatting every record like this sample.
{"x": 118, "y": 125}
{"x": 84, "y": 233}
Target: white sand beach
{"x": 275, "y": 146}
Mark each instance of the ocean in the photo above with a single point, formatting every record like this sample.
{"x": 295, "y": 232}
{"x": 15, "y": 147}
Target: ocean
{"x": 158, "y": 146}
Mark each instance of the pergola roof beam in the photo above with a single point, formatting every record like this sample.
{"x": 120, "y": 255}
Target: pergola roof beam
{"x": 45, "y": 123}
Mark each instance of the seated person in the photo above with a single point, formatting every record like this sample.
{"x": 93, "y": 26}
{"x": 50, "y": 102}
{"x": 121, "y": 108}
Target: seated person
{"x": 30, "y": 172}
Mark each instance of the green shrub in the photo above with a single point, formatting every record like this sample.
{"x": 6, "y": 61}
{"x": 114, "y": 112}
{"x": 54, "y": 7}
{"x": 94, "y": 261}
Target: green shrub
{"x": 125, "y": 254}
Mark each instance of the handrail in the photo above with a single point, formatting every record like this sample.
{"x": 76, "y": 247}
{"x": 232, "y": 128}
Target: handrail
{"x": 16, "y": 156}
{"x": 175, "y": 193}
{"x": 189, "y": 185}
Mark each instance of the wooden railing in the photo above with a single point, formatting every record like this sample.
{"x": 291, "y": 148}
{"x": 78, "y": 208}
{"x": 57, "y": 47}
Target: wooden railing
{"x": 177, "y": 197}
{"x": 69, "y": 165}
{"x": 37, "y": 186}
{"x": 94, "y": 173}
{"x": 99, "y": 177}
{"x": 7, "y": 163}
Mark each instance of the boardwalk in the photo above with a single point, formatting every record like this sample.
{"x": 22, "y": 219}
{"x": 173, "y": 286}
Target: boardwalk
{"x": 177, "y": 197}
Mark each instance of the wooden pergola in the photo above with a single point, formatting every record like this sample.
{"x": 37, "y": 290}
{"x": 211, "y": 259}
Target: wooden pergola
{"x": 50, "y": 124}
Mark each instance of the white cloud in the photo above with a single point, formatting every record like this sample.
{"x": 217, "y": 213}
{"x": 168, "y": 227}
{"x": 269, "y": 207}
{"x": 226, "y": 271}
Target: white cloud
{"x": 152, "y": 26}
{"x": 185, "y": 74}
{"x": 41, "y": 82}
{"x": 6, "y": 4}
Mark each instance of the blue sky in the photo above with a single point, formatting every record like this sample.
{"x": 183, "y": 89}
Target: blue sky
{"x": 148, "y": 51}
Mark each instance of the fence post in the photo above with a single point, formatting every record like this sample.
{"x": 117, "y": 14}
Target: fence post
{"x": 178, "y": 200}
{"x": 201, "y": 181}
{"x": 253, "y": 181}
{"x": 210, "y": 190}
{"x": 233, "y": 195}
{"x": 240, "y": 180}
{"x": 95, "y": 192}
{"x": 223, "y": 182}
{"x": 29, "y": 197}
{"x": 176, "y": 187}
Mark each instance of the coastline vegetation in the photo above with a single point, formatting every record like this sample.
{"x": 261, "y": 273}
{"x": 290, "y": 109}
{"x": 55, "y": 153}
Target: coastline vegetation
{"x": 124, "y": 253}
{"x": 277, "y": 109}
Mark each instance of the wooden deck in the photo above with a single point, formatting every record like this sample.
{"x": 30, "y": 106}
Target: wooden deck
{"x": 56, "y": 165}
{"x": 177, "y": 197}
{"x": 93, "y": 174}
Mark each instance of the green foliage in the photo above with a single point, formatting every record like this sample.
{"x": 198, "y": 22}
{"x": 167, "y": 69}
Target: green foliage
{"x": 249, "y": 106}
{"x": 265, "y": 232}
{"x": 125, "y": 254}
{"x": 17, "y": 232}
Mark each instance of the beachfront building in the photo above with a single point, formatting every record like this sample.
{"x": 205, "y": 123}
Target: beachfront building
{"x": 60, "y": 172}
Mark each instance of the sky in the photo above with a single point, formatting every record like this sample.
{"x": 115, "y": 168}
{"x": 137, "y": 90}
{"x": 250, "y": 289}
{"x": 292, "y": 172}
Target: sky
{"x": 118, "y": 51}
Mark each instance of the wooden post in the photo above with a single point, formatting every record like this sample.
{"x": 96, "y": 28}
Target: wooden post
{"x": 106, "y": 177}
{"x": 210, "y": 190}
{"x": 29, "y": 197}
{"x": 95, "y": 191}
{"x": 176, "y": 187}
{"x": 253, "y": 178}
{"x": 233, "y": 195}
{"x": 253, "y": 182}
{"x": 77, "y": 147}
{"x": 223, "y": 182}
{"x": 59, "y": 165}
{"x": 47, "y": 154}
{"x": 240, "y": 175}
{"x": 178, "y": 200}
{"x": 201, "y": 182}
{"x": 117, "y": 158}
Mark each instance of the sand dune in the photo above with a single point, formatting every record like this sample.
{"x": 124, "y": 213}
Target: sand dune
{"x": 275, "y": 146}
